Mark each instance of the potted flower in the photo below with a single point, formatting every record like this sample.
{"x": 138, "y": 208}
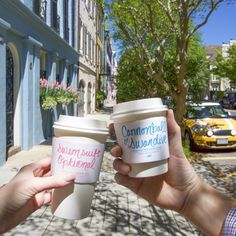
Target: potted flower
{"x": 100, "y": 97}
{"x": 66, "y": 96}
{"x": 51, "y": 96}
{"x": 47, "y": 95}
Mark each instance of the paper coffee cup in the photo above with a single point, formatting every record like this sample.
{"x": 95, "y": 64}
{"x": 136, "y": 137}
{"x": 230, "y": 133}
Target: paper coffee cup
{"x": 141, "y": 131}
{"x": 77, "y": 148}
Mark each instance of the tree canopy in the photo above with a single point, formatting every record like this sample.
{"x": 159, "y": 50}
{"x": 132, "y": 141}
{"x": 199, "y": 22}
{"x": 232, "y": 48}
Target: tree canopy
{"x": 134, "y": 82}
{"x": 159, "y": 32}
{"x": 226, "y": 66}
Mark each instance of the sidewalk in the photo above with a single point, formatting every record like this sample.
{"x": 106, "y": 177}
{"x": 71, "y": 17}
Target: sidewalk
{"x": 115, "y": 210}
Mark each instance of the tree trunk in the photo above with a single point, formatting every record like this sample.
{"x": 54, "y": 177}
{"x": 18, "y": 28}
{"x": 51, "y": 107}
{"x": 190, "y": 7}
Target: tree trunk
{"x": 180, "y": 108}
{"x": 180, "y": 102}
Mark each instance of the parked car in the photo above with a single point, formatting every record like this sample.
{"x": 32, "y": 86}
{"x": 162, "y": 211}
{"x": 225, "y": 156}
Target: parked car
{"x": 209, "y": 126}
{"x": 229, "y": 101}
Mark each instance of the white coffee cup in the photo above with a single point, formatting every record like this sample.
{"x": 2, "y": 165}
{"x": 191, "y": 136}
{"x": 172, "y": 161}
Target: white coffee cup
{"x": 77, "y": 148}
{"x": 141, "y": 131}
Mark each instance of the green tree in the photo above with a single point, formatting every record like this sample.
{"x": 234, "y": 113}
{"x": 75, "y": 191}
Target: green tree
{"x": 226, "y": 66}
{"x": 160, "y": 31}
{"x": 134, "y": 82}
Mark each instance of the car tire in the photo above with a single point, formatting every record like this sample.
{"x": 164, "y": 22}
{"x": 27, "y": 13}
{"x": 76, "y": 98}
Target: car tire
{"x": 190, "y": 142}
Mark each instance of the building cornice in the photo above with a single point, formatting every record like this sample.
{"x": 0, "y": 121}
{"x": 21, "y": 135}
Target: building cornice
{"x": 25, "y": 12}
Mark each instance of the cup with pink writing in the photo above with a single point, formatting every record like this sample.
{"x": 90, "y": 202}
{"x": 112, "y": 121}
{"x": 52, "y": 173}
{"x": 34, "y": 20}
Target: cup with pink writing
{"x": 80, "y": 153}
{"x": 141, "y": 131}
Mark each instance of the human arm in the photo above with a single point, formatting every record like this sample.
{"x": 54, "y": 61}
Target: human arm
{"x": 180, "y": 189}
{"x": 27, "y": 192}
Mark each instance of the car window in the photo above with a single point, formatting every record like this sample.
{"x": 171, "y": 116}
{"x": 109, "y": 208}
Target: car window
{"x": 231, "y": 95}
{"x": 200, "y": 112}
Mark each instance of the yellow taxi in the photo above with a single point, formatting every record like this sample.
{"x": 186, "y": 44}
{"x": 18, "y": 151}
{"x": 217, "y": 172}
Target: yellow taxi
{"x": 209, "y": 126}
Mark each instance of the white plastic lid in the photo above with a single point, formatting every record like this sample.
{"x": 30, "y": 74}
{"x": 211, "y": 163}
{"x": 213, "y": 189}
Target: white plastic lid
{"x": 138, "y": 107}
{"x": 81, "y": 124}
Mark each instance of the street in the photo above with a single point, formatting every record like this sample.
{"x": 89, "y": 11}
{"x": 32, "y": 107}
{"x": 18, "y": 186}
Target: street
{"x": 224, "y": 159}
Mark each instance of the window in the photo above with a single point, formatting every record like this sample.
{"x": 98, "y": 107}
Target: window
{"x": 55, "y": 17}
{"x": 93, "y": 9}
{"x": 85, "y": 41}
{"x": 73, "y": 24}
{"x": 89, "y": 46}
{"x": 89, "y": 6}
{"x": 66, "y": 21}
{"x": 93, "y": 51}
{"x": 81, "y": 37}
{"x": 40, "y": 8}
{"x": 37, "y": 7}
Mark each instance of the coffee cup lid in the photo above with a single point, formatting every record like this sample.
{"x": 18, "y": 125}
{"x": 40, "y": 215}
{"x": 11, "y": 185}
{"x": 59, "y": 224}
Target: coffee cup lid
{"x": 138, "y": 107}
{"x": 81, "y": 124}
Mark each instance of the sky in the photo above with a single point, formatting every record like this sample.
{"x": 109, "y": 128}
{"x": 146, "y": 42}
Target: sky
{"x": 221, "y": 26}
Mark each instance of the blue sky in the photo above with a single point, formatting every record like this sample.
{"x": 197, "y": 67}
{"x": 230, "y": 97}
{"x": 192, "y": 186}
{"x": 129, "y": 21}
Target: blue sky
{"x": 221, "y": 26}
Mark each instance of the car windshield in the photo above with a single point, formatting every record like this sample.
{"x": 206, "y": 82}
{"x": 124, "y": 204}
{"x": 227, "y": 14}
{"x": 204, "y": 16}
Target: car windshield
{"x": 200, "y": 112}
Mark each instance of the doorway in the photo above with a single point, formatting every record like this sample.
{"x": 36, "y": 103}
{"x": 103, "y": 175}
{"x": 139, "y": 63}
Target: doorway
{"x": 9, "y": 98}
{"x": 12, "y": 104}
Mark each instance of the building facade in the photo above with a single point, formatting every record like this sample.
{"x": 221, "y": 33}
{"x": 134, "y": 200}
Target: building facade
{"x": 87, "y": 56}
{"x": 216, "y": 83}
{"x": 38, "y": 39}
{"x": 108, "y": 70}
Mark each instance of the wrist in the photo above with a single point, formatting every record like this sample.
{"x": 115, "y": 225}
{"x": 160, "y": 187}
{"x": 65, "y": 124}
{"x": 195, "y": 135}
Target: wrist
{"x": 207, "y": 208}
{"x": 3, "y": 204}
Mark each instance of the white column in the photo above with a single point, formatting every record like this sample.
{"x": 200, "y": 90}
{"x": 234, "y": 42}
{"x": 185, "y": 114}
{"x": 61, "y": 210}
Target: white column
{"x": 52, "y": 65}
{"x": 65, "y": 73}
{"x": 37, "y": 116}
{"x": 26, "y": 96}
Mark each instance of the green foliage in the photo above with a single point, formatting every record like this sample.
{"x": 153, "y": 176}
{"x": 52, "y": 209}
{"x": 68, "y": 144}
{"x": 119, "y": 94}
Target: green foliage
{"x": 66, "y": 96}
{"x": 160, "y": 33}
{"x": 220, "y": 94}
{"x": 101, "y": 96}
{"x": 198, "y": 73}
{"x": 226, "y": 67}
{"x": 186, "y": 149}
{"x": 48, "y": 102}
{"x": 134, "y": 82}
{"x": 100, "y": 2}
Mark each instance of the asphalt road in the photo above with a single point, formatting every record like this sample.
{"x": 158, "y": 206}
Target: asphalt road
{"x": 224, "y": 159}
